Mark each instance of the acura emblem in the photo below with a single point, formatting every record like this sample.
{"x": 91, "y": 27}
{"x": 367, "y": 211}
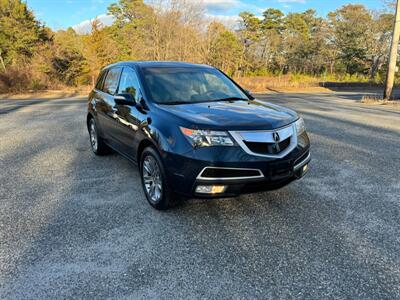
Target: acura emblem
{"x": 276, "y": 137}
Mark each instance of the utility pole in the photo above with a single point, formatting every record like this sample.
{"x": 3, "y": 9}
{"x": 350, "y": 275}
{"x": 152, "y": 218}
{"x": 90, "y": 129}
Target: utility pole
{"x": 393, "y": 55}
{"x": 2, "y": 62}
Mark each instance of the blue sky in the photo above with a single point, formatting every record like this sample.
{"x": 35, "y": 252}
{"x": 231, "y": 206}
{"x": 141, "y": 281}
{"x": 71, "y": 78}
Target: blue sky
{"x": 59, "y": 14}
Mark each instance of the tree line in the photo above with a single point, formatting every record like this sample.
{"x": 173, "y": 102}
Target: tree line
{"x": 350, "y": 41}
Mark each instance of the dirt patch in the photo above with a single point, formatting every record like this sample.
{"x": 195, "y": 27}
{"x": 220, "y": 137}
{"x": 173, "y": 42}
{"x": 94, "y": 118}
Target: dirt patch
{"x": 46, "y": 94}
{"x": 295, "y": 90}
{"x": 375, "y": 100}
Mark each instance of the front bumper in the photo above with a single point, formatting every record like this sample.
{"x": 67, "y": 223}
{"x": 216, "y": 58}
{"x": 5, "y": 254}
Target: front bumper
{"x": 275, "y": 176}
{"x": 185, "y": 176}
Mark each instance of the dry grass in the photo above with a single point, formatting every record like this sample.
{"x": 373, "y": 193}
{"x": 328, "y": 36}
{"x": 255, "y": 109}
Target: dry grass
{"x": 299, "y": 82}
{"x": 48, "y": 94}
{"x": 378, "y": 100}
{"x": 298, "y": 90}
{"x": 264, "y": 83}
{"x": 283, "y": 83}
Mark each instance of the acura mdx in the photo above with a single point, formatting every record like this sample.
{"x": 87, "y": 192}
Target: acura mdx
{"x": 194, "y": 132}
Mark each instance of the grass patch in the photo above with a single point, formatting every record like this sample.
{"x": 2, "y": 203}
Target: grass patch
{"x": 47, "y": 94}
{"x": 292, "y": 82}
{"x": 378, "y": 100}
{"x": 265, "y": 83}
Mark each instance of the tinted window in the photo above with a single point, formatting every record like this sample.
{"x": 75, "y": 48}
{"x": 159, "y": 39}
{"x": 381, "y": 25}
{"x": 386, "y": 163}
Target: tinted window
{"x": 216, "y": 84}
{"x": 100, "y": 80}
{"x": 182, "y": 85}
{"x": 111, "y": 82}
{"x": 129, "y": 83}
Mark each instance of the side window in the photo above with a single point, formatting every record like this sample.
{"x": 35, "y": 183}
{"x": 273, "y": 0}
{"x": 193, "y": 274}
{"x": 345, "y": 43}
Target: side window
{"x": 129, "y": 83}
{"x": 100, "y": 80}
{"x": 111, "y": 82}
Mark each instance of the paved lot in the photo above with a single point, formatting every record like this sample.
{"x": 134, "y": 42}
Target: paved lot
{"x": 76, "y": 225}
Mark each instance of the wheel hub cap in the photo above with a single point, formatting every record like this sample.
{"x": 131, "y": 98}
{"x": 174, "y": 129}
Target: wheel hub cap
{"x": 152, "y": 178}
{"x": 93, "y": 136}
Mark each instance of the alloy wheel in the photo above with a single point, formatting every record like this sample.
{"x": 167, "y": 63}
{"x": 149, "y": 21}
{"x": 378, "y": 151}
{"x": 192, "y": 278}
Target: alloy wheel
{"x": 93, "y": 136}
{"x": 152, "y": 180}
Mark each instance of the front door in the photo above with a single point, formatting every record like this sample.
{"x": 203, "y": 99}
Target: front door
{"x": 128, "y": 117}
{"x": 106, "y": 105}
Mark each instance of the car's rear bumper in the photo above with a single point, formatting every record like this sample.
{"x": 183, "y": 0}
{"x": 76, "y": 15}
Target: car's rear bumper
{"x": 266, "y": 174}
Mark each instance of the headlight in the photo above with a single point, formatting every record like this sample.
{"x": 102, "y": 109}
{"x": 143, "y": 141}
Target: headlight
{"x": 300, "y": 126}
{"x": 206, "y": 138}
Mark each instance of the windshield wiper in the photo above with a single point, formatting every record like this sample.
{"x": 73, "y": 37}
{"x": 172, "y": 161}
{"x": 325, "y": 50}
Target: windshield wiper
{"x": 201, "y": 101}
{"x": 175, "y": 103}
{"x": 232, "y": 99}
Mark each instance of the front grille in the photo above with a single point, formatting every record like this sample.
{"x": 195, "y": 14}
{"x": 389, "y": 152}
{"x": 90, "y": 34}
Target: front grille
{"x": 229, "y": 173}
{"x": 268, "y": 148}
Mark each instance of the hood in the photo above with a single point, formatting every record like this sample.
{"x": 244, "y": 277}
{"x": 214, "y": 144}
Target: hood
{"x": 234, "y": 115}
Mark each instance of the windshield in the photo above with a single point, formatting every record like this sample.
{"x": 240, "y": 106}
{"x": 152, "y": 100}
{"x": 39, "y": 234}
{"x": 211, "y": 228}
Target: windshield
{"x": 175, "y": 85}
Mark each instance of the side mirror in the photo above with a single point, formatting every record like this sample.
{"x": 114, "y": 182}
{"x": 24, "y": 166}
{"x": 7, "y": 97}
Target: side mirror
{"x": 124, "y": 99}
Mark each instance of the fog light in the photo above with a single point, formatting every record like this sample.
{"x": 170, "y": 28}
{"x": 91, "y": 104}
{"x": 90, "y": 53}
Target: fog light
{"x": 210, "y": 189}
{"x": 305, "y": 168}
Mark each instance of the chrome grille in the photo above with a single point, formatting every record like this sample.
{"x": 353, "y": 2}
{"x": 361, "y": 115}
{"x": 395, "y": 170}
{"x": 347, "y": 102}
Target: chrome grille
{"x": 262, "y": 143}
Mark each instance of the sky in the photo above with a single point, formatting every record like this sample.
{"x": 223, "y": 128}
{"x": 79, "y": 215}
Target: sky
{"x": 61, "y": 14}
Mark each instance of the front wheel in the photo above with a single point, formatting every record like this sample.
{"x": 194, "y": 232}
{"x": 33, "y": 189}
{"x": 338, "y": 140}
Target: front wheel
{"x": 154, "y": 180}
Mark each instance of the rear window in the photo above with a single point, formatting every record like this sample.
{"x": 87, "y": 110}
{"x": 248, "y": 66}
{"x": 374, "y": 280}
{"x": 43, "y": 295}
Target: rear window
{"x": 100, "y": 80}
{"x": 111, "y": 81}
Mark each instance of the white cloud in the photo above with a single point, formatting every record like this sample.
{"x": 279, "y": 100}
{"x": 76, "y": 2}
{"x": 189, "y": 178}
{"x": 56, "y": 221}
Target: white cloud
{"x": 86, "y": 26}
{"x": 229, "y": 21}
{"x": 292, "y": 1}
{"x": 215, "y": 10}
{"x": 220, "y": 5}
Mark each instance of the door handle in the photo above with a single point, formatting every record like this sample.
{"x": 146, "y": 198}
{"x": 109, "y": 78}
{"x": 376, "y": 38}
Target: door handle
{"x": 94, "y": 102}
{"x": 113, "y": 113}
{"x": 145, "y": 123}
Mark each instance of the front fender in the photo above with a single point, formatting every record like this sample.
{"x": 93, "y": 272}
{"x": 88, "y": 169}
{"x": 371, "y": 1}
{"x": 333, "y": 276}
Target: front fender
{"x": 168, "y": 138}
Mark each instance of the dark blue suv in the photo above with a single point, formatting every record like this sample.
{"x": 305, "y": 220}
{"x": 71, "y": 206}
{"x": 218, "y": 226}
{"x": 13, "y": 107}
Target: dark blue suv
{"x": 194, "y": 132}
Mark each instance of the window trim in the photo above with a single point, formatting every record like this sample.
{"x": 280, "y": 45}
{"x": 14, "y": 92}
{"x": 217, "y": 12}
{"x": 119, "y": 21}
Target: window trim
{"x": 137, "y": 79}
{"x": 100, "y": 80}
{"x": 119, "y": 79}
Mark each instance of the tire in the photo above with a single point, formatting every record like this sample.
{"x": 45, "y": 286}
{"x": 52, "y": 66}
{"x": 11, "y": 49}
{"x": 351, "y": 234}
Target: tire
{"x": 153, "y": 176}
{"x": 99, "y": 147}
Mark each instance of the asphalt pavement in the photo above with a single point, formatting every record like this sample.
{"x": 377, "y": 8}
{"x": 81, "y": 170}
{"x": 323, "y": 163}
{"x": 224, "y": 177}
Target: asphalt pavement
{"x": 73, "y": 225}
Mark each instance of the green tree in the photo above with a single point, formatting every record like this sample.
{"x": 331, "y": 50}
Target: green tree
{"x": 225, "y": 48}
{"x": 100, "y": 48}
{"x": 20, "y": 33}
{"x": 271, "y": 41}
{"x": 249, "y": 34}
{"x": 132, "y": 29}
{"x": 305, "y": 42}
{"x": 351, "y": 28}
{"x": 378, "y": 43}
{"x": 68, "y": 61}
{"x": 273, "y": 20}
{"x": 134, "y": 13}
